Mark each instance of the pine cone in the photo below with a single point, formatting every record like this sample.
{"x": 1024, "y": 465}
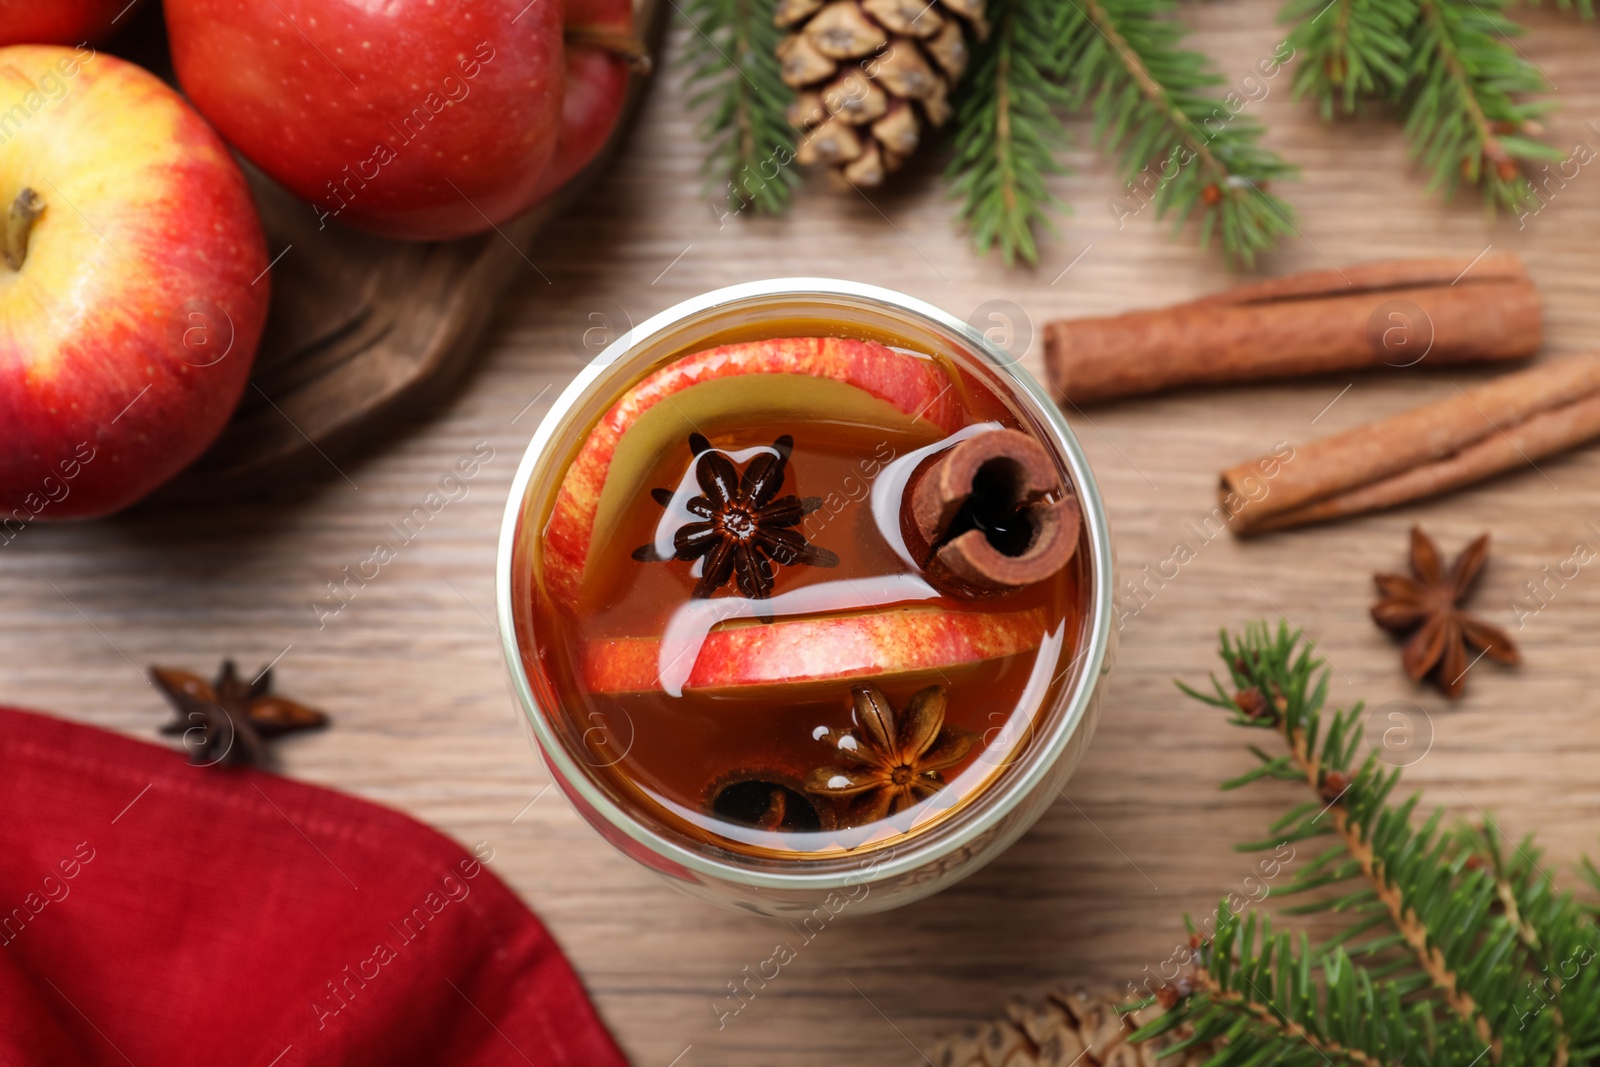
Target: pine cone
{"x": 1057, "y": 1031}
{"x": 870, "y": 74}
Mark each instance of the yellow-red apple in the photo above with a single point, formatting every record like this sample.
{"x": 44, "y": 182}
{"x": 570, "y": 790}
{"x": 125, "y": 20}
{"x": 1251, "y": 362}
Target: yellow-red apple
{"x": 132, "y": 290}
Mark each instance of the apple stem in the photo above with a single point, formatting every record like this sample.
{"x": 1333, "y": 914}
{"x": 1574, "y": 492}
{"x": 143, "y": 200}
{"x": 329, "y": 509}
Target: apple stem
{"x": 25, "y": 210}
{"x": 610, "y": 39}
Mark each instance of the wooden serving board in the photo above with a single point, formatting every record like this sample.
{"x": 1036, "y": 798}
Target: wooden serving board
{"x": 365, "y": 331}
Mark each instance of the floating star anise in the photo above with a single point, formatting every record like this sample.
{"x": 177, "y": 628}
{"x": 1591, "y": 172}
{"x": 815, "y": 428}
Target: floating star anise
{"x": 746, "y": 532}
{"x": 894, "y": 759}
{"x": 229, "y": 720}
{"x": 1426, "y": 606}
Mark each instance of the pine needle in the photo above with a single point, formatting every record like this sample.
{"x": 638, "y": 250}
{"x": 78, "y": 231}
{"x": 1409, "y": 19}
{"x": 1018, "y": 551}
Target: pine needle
{"x": 1349, "y": 49}
{"x": 735, "y": 82}
{"x": 1452, "y": 68}
{"x": 1007, "y": 132}
{"x": 1182, "y": 149}
{"x": 1460, "y": 114}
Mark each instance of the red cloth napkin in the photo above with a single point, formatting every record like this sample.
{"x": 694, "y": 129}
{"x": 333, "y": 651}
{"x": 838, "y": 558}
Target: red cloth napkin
{"x": 156, "y": 914}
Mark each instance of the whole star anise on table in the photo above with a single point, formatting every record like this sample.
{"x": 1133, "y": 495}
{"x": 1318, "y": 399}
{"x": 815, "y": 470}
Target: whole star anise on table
{"x": 894, "y": 759}
{"x": 1426, "y": 605}
{"x": 230, "y": 719}
{"x": 745, "y": 531}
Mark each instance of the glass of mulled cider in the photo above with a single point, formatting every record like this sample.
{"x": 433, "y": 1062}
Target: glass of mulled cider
{"x": 805, "y": 590}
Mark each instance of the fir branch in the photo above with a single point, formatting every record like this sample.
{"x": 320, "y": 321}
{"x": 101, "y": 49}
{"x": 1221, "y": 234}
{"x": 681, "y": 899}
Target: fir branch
{"x": 1439, "y": 915}
{"x": 1287, "y": 1028}
{"x": 1182, "y": 147}
{"x": 1007, "y": 133}
{"x": 1450, "y": 65}
{"x": 1354, "y": 804}
{"x": 1333, "y": 780}
{"x": 1559, "y": 937}
{"x": 1484, "y": 850}
{"x": 1348, "y": 49}
{"x": 1461, "y": 117}
{"x": 1413, "y": 930}
{"x": 1483, "y": 931}
{"x": 1488, "y": 841}
{"x": 735, "y": 81}
{"x": 1591, "y": 874}
{"x": 1256, "y": 997}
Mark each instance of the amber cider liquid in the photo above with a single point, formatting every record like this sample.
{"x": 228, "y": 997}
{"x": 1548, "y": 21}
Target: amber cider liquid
{"x": 704, "y": 763}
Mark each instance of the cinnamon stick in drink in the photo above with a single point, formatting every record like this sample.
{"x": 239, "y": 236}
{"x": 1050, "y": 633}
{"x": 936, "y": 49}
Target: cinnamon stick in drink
{"x": 1419, "y": 312}
{"x": 1498, "y": 426}
{"x": 989, "y": 516}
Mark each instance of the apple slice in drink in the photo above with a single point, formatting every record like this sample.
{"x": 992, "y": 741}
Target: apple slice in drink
{"x": 789, "y": 652}
{"x": 840, "y": 379}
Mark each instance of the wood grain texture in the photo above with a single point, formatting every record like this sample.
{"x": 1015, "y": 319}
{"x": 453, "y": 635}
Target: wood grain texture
{"x": 411, "y": 671}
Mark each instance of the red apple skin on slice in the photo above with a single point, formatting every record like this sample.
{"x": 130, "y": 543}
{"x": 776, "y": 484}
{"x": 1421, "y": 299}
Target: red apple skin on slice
{"x": 791, "y": 652}
{"x": 904, "y": 386}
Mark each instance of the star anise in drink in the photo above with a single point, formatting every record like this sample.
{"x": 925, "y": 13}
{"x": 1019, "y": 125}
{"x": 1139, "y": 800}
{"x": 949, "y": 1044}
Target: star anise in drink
{"x": 1425, "y": 605}
{"x": 229, "y": 720}
{"x": 746, "y": 529}
{"x": 893, "y": 759}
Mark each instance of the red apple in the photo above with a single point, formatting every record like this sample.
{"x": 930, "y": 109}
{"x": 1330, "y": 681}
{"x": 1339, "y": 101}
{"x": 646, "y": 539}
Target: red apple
{"x": 423, "y": 119}
{"x": 848, "y": 380}
{"x": 59, "y": 21}
{"x": 131, "y": 306}
{"x": 878, "y": 645}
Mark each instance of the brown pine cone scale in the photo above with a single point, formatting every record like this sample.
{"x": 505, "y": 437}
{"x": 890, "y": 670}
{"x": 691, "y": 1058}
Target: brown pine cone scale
{"x": 1065, "y": 1029}
{"x": 870, "y": 75}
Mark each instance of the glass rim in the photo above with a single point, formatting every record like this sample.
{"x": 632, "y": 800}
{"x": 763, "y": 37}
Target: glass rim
{"x": 896, "y": 858}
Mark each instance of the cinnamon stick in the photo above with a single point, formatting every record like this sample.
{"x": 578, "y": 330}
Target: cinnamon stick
{"x": 988, "y": 516}
{"x": 1479, "y": 432}
{"x": 1421, "y": 312}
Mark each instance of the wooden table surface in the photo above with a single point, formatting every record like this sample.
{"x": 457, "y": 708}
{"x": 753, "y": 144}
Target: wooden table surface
{"x": 411, "y": 671}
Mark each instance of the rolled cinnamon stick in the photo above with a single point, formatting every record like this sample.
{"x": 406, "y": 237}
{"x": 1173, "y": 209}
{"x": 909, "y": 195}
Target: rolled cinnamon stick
{"x": 1465, "y": 438}
{"x": 989, "y": 516}
{"x": 1427, "y": 312}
